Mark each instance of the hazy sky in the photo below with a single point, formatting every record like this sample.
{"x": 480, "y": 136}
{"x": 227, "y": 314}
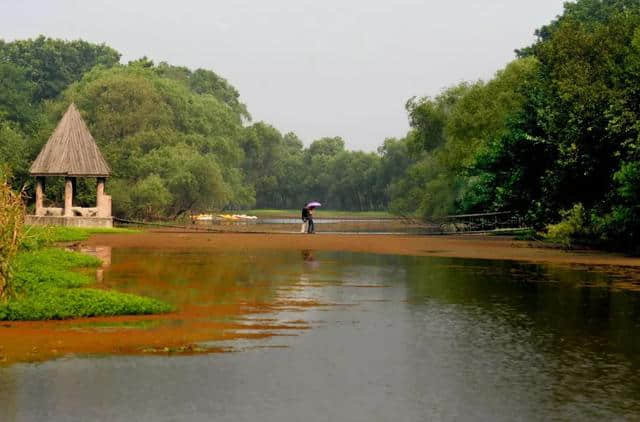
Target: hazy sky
{"x": 318, "y": 68}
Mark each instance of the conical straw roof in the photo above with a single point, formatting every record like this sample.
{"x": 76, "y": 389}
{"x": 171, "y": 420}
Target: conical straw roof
{"x": 71, "y": 151}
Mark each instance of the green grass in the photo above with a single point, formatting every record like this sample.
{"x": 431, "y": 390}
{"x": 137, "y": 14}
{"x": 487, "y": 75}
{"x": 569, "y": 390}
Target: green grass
{"x": 70, "y": 234}
{"x": 50, "y": 268}
{"x": 48, "y": 283}
{"x": 75, "y": 303}
{"x": 37, "y": 237}
{"x": 319, "y": 213}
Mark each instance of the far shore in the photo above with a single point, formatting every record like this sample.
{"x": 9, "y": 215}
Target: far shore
{"x": 458, "y": 246}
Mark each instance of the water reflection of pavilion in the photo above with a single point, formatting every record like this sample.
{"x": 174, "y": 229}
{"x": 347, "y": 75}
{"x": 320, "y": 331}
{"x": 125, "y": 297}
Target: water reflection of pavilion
{"x": 103, "y": 253}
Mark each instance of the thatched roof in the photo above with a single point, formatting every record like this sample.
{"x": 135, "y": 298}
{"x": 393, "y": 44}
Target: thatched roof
{"x": 71, "y": 151}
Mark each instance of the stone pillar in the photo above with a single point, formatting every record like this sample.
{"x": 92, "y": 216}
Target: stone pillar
{"x": 103, "y": 201}
{"x": 74, "y": 189}
{"x": 68, "y": 197}
{"x": 100, "y": 192}
{"x": 39, "y": 195}
{"x": 100, "y": 199}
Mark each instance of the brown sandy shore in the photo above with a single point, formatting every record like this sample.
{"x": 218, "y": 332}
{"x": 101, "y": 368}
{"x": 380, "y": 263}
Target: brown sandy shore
{"x": 469, "y": 246}
{"x": 184, "y": 330}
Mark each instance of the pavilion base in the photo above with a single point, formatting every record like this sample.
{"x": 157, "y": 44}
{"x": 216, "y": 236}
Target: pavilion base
{"x": 48, "y": 220}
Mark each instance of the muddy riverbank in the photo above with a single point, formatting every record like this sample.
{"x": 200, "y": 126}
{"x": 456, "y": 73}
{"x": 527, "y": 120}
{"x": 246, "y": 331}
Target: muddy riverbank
{"x": 462, "y": 246}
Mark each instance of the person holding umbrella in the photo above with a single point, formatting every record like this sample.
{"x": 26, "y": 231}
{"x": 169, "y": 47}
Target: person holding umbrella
{"x": 307, "y": 215}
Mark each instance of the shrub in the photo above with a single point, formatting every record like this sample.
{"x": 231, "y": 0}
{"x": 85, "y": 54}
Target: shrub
{"x": 619, "y": 228}
{"x": 573, "y": 227}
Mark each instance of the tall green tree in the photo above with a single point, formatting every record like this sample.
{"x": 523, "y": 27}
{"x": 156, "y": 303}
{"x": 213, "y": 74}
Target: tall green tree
{"x": 447, "y": 134}
{"x": 53, "y": 64}
{"x": 574, "y": 143}
{"x": 154, "y": 128}
{"x": 16, "y": 96}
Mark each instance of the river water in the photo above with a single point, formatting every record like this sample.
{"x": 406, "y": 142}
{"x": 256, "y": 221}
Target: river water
{"x": 383, "y": 338}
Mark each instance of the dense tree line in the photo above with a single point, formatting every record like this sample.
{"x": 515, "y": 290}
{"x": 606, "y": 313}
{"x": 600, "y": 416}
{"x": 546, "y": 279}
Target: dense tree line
{"x": 553, "y": 137}
{"x": 285, "y": 174}
{"x": 177, "y": 140}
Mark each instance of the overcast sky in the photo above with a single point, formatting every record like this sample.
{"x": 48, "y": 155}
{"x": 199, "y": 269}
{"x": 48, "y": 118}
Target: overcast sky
{"x": 318, "y": 68}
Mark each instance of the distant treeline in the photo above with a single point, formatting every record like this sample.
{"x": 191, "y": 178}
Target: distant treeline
{"x": 177, "y": 140}
{"x": 554, "y": 136}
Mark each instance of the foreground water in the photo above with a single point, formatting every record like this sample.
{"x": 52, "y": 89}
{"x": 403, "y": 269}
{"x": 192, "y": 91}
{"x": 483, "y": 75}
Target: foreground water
{"x": 350, "y": 336}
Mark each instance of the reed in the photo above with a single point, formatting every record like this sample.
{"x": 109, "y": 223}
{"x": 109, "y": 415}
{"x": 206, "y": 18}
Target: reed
{"x": 11, "y": 231}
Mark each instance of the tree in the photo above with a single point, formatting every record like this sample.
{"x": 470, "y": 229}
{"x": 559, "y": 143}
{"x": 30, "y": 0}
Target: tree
{"x": 53, "y": 64}
{"x": 448, "y": 133}
{"x": 326, "y": 146}
{"x": 273, "y": 165}
{"x": 150, "y": 125}
{"x": 394, "y": 161}
{"x": 574, "y": 144}
{"x": 204, "y": 81}
{"x": 194, "y": 181}
{"x": 148, "y": 198}
{"x": 118, "y": 103}
{"x": 584, "y": 11}
{"x": 16, "y": 96}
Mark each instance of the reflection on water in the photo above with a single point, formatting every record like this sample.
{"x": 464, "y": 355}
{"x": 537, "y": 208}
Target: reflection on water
{"x": 328, "y": 225}
{"x": 101, "y": 252}
{"x": 406, "y": 338}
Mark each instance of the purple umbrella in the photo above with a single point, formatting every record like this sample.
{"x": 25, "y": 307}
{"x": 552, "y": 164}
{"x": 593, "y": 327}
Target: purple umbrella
{"x": 313, "y": 204}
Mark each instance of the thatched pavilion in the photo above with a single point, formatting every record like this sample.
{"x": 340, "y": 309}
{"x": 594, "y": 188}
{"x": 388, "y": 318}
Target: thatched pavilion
{"x": 71, "y": 152}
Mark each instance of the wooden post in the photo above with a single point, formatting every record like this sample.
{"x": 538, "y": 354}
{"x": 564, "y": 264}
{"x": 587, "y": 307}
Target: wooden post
{"x": 68, "y": 197}
{"x": 39, "y": 195}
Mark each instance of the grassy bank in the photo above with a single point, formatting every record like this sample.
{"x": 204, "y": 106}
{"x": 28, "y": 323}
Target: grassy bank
{"x": 49, "y": 282}
{"x": 39, "y": 236}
